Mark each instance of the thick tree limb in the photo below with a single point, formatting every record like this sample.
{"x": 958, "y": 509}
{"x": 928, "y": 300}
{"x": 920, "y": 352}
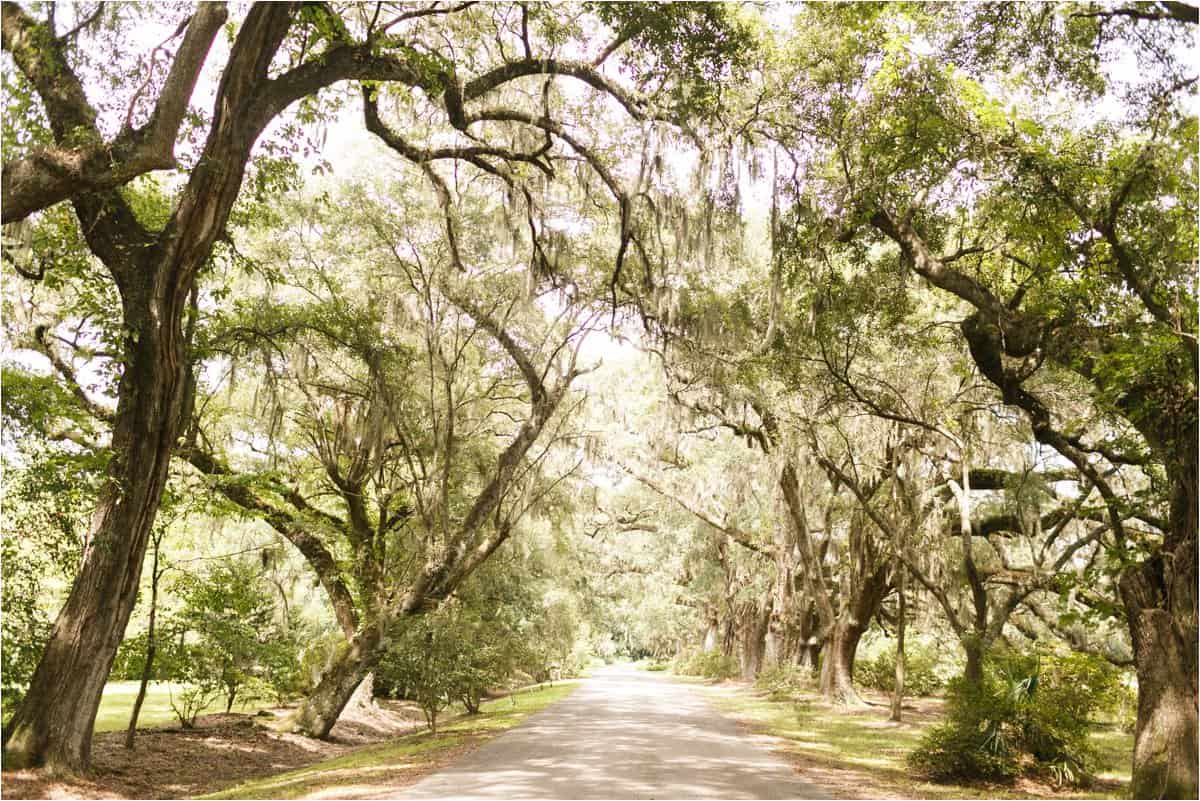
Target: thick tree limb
{"x": 295, "y": 530}
{"x": 80, "y": 161}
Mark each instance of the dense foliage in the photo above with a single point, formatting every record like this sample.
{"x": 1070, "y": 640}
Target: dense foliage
{"x": 1032, "y": 711}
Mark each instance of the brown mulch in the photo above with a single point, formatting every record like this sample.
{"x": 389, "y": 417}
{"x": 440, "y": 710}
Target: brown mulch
{"x": 221, "y": 751}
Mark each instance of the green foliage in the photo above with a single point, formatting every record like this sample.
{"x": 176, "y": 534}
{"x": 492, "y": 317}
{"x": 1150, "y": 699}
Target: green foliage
{"x": 1031, "y": 711}
{"x": 228, "y": 640}
{"x": 699, "y": 46}
{"x": 497, "y": 629}
{"x": 317, "y": 655}
{"x": 435, "y": 663}
{"x": 921, "y": 675}
{"x": 782, "y": 682}
{"x": 709, "y": 664}
{"x": 25, "y": 626}
{"x": 47, "y": 496}
{"x": 552, "y": 642}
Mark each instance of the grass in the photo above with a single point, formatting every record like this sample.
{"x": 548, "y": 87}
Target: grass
{"x": 117, "y": 703}
{"x": 863, "y": 753}
{"x": 393, "y": 764}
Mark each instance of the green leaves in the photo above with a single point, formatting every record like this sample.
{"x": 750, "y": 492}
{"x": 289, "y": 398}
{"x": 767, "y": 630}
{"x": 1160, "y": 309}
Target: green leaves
{"x": 698, "y": 48}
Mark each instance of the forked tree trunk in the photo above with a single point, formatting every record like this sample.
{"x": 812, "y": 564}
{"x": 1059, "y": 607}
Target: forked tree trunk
{"x": 53, "y": 725}
{"x": 808, "y": 645}
{"x": 808, "y": 655}
{"x": 837, "y": 667}
{"x": 155, "y": 273}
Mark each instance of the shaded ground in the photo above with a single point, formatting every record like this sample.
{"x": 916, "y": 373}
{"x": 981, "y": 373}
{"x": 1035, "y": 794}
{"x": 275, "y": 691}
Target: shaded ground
{"x": 383, "y": 771}
{"x": 222, "y": 750}
{"x": 622, "y": 734}
{"x": 859, "y": 753}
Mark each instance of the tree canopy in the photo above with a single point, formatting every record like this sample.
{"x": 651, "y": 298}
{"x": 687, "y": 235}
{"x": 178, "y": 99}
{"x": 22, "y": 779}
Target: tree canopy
{"x": 736, "y": 335}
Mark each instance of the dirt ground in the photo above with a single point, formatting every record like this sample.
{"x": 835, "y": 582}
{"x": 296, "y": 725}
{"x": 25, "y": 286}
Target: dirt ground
{"x": 183, "y": 763}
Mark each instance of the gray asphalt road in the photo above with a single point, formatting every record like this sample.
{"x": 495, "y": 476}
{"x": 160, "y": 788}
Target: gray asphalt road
{"x": 622, "y": 734}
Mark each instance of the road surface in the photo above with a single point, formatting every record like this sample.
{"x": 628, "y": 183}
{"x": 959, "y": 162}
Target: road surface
{"x": 621, "y": 734}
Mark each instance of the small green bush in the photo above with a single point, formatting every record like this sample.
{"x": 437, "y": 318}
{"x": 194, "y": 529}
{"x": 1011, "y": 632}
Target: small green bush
{"x": 710, "y": 665}
{"x": 976, "y": 740}
{"x": 1030, "y": 711}
{"x": 783, "y": 681}
{"x": 920, "y": 671}
{"x": 657, "y": 666}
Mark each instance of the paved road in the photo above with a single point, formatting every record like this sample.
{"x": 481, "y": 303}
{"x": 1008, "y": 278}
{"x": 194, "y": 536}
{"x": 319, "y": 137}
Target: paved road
{"x": 622, "y": 734}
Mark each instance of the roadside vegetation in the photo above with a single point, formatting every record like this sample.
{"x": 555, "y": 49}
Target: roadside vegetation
{"x": 394, "y": 765}
{"x": 361, "y": 361}
{"x": 859, "y": 753}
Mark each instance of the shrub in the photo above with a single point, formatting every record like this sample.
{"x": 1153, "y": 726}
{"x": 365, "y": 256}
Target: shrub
{"x": 1030, "y": 710}
{"x": 424, "y": 664}
{"x": 192, "y": 700}
{"x": 710, "y": 665}
{"x": 450, "y": 655}
{"x": 976, "y": 740}
{"x": 227, "y": 640}
{"x": 783, "y": 681}
{"x": 920, "y": 671}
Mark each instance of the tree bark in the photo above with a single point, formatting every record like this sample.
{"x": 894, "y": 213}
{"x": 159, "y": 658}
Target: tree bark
{"x": 809, "y": 655}
{"x": 808, "y": 644}
{"x": 1159, "y": 596}
{"x": 837, "y": 669}
{"x": 53, "y": 725}
{"x": 321, "y": 710}
{"x": 973, "y": 670}
{"x": 898, "y": 690}
{"x": 754, "y": 636}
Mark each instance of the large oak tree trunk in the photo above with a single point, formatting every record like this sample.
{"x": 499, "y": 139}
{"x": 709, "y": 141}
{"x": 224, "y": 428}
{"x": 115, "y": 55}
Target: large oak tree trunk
{"x": 1160, "y": 603}
{"x": 837, "y": 668}
{"x": 53, "y": 726}
{"x": 155, "y": 274}
{"x": 321, "y": 710}
{"x": 809, "y": 655}
{"x": 754, "y": 639}
{"x": 973, "y": 669}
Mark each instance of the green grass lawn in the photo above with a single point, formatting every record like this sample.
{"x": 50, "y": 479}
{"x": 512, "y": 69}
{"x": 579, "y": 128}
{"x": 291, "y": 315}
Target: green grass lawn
{"x": 391, "y": 765}
{"x": 117, "y": 703}
{"x": 863, "y": 753}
